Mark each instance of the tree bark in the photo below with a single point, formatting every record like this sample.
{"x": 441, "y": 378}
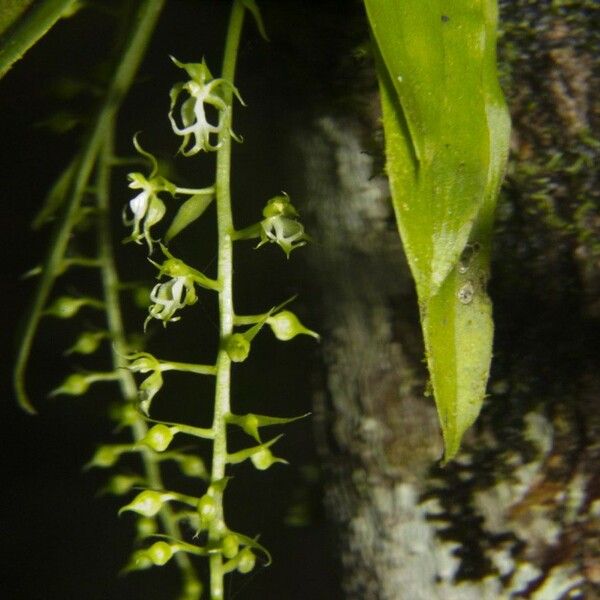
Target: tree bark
{"x": 517, "y": 514}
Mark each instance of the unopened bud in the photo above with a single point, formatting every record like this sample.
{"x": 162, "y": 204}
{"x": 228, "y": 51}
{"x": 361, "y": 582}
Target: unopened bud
{"x": 237, "y": 347}
{"x": 160, "y": 553}
{"x": 207, "y": 510}
{"x": 158, "y": 438}
{"x": 247, "y": 560}
{"x": 230, "y": 545}
{"x": 264, "y": 458}
{"x": 147, "y": 503}
{"x": 286, "y": 325}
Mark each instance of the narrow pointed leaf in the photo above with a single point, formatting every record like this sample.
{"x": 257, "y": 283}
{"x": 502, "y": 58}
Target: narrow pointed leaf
{"x": 188, "y": 212}
{"x": 27, "y": 29}
{"x": 56, "y": 196}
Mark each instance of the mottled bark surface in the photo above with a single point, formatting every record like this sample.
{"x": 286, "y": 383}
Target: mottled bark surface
{"x": 517, "y": 514}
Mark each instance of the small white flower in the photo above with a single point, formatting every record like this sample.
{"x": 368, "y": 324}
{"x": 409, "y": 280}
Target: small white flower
{"x": 169, "y": 297}
{"x": 287, "y": 233}
{"x": 281, "y": 225}
{"x": 146, "y": 209}
{"x": 203, "y": 91}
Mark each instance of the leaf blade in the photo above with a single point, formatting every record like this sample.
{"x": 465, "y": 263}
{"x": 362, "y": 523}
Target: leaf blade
{"x": 446, "y": 128}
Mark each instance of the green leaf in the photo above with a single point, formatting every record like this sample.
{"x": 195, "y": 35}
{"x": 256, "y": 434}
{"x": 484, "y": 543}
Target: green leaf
{"x": 188, "y": 212}
{"x": 446, "y": 128}
{"x": 57, "y": 196}
{"x": 22, "y": 33}
{"x": 252, "y": 7}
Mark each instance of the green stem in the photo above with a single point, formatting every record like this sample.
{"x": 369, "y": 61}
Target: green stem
{"x": 28, "y": 30}
{"x": 110, "y": 284}
{"x": 226, "y": 310}
{"x": 128, "y": 65}
{"x": 195, "y": 191}
{"x": 188, "y": 368}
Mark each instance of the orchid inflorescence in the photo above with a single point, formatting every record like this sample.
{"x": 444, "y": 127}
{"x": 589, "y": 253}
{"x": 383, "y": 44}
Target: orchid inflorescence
{"x": 179, "y": 286}
{"x": 200, "y": 113}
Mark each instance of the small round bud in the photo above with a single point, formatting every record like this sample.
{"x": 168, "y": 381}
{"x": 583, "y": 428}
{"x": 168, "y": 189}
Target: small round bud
{"x": 192, "y": 589}
{"x": 121, "y": 484}
{"x": 237, "y": 347}
{"x": 158, "y": 438}
{"x": 125, "y": 415}
{"x": 146, "y": 526}
{"x": 87, "y": 342}
{"x": 247, "y": 560}
{"x": 192, "y": 466}
{"x": 74, "y": 385}
{"x": 250, "y": 425}
{"x": 264, "y": 458}
{"x": 139, "y": 561}
{"x": 279, "y": 206}
{"x": 147, "y": 503}
{"x": 286, "y": 325}
{"x": 230, "y": 545}
{"x": 207, "y": 510}
{"x": 65, "y": 307}
{"x": 140, "y": 296}
{"x": 160, "y": 553}
{"x": 105, "y": 456}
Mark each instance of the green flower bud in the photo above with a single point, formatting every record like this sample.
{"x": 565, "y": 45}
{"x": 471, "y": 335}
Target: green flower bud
{"x": 121, "y": 484}
{"x": 279, "y": 206}
{"x": 237, "y": 347}
{"x": 66, "y": 307}
{"x": 192, "y": 589}
{"x": 140, "y": 296}
{"x": 139, "y": 561}
{"x": 74, "y": 385}
{"x": 125, "y": 415}
{"x": 148, "y": 389}
{"x": 87, "y": 342}
{"x": 160, "y": 553}
{"x": 106, "y": 456}
{"x": 250, "y": 424}
{"x": 286, "y": 325}
{"x": 147, "y": 503}
{"x": 247, "y": 560}
{"x": 158, "y": 438}
{"x": 264, "y": 458}
{"x": 192, "y": 466}
{"x": 146, "y": 526}
{"x": 230, "y": 545}
{"x": 207, "y": 510}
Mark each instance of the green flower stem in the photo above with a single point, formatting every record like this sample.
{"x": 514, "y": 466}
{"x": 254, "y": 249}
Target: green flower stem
{"x": 125, "y": 72}
{"x": 110, "y": 283}
{"x": 110, "y": 376}
{"x": 200, "y": 432}
{"x": 249, "y": 319}
{"x": 193, "y": 191}
{"x": 226, "y": 310}
{"x": 67, "y": 263}
{"x": 29, "y": 29}
{"x": 248, "y": 233}
{"x": 188, "y": 368}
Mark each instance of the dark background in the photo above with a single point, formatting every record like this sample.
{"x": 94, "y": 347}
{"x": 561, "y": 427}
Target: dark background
{"x": 62, "y": 540}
